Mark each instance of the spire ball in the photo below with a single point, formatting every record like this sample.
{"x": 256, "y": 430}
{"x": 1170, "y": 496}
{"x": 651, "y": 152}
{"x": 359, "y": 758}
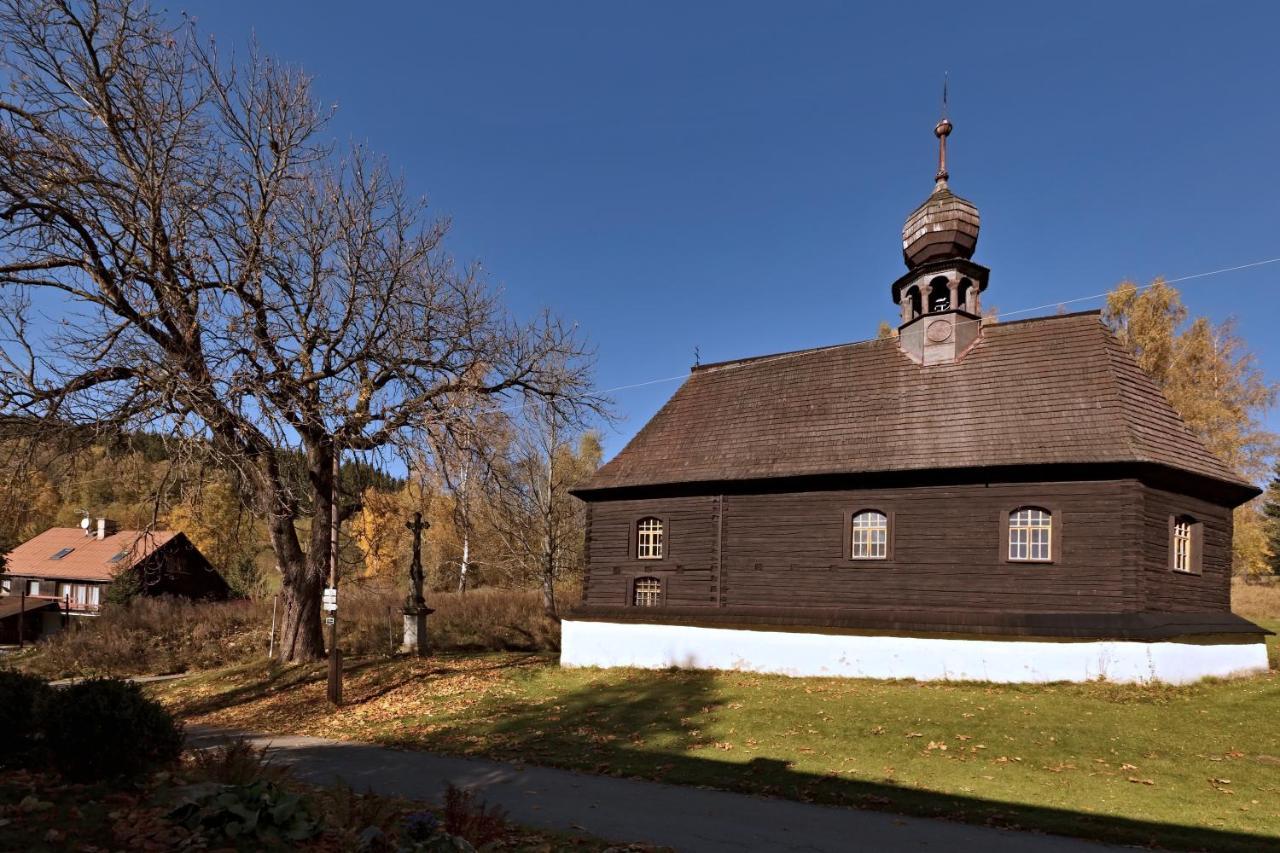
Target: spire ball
{"x": 945, "y": 226}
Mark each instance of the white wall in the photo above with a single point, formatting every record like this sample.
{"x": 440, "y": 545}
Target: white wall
{"x": 608, "y": 644}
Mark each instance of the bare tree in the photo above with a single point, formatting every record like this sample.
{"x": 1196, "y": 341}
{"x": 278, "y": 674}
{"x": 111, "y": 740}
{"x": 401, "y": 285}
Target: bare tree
{"x": 539, "y": 524}
{"x": 206, "y": 266}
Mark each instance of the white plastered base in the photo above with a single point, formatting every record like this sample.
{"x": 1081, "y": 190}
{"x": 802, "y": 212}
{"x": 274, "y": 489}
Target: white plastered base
{"x": 650, "y": 646}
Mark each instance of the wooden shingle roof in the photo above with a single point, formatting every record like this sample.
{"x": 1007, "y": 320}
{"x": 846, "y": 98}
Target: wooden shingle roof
{"x": 1032, "y": 392}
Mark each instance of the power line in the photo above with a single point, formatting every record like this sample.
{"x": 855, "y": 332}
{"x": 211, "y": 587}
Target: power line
{"x": 1144, "y": 287}
{"x": 1002, "y": 314}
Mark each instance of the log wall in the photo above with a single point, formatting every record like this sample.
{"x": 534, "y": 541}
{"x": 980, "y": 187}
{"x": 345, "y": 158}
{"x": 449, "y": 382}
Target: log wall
{"x": 789, "y": 550}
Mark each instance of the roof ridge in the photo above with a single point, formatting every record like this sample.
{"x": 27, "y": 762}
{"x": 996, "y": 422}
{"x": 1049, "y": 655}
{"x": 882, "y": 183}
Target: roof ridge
{"x": 998, "y": 322}
{"x": 733, "y": 362}
{"x": 995, "y": 323}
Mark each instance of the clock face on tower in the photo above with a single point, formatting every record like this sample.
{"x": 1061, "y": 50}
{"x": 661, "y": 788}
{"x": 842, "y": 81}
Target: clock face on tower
{"x": 939, "y": 331}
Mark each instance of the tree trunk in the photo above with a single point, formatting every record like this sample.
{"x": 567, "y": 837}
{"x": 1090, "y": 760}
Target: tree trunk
{"x": 466, "y": 562}
{"x": 301, "y": 640}
{"x": 303, "y": 575}
{"x": 548, "y": 588}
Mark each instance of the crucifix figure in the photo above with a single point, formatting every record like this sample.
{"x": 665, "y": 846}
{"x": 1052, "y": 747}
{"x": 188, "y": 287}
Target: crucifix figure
{"x": 415, "y": 567}
{"x": 415, "y": 606}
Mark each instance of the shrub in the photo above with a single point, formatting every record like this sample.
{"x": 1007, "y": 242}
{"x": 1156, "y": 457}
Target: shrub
{"x": 106, "y": 728}
{"x": 238, "y": 762}
{"x": 19, "y": 695}
{"x": 259, "y": 815}
{"x": 468, "y": 817}
{"x": 364, "y": 822}
{"x": 156, "y": 636}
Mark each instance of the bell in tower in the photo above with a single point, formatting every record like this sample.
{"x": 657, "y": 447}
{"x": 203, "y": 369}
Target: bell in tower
{"x": 939, "y": 297}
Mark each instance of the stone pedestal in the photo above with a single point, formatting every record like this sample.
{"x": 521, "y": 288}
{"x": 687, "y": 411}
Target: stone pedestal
{"x": 415, "y": 631}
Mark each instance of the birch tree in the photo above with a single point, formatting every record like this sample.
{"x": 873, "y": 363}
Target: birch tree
{"x": 538, "y": 522}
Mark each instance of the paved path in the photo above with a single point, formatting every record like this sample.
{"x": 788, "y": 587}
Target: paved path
{"x": 690, "y": 820}
{"x": 136, "y": 679}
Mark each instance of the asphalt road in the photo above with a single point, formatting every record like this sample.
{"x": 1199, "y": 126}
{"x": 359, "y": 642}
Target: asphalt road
{"x": 631, "y": 810}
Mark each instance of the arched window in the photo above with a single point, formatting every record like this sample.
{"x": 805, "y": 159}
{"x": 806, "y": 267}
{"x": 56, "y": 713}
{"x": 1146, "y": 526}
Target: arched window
{"x": 1030, "y": 534}
{"x": 1182, "y": 544}
{"x": 648, "y": 592}
{"x": 869, "y": 535}
{"x": 649, "y": 539}
{"x": 1185, "y": 545}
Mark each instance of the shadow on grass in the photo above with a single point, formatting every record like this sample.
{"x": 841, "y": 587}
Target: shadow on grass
{"x": 385, "y": 675}
{"x": 579, "y": 731}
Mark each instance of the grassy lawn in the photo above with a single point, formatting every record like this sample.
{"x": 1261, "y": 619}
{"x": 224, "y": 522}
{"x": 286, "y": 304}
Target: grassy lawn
{"x": 1195, "y": 766}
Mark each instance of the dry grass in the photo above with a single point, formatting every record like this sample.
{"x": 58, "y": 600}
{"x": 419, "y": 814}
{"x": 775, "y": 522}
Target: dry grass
{"x": 153, "y": 636}
{"x": 1259, "y": 599}
{"x": 157, "y": 636}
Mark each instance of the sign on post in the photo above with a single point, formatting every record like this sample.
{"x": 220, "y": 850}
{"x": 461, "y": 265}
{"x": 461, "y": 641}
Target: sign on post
{"x": 330, "y": 600}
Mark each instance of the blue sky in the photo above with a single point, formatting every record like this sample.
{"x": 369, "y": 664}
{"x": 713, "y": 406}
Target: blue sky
{"x": 734, "y": 176}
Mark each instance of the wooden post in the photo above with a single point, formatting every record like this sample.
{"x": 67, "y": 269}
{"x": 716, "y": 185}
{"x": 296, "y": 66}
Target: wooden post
{"x": 335, "y": 656}
{"x": 271, "y": 643}
{"x": 22, "y": 616}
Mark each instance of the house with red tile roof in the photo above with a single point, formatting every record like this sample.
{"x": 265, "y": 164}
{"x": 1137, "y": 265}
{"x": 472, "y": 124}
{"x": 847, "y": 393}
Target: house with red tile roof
{"x": 73, "y": 566}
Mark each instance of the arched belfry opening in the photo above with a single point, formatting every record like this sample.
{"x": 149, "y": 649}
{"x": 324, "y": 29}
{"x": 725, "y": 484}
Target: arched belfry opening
{"x": 939, "y": 294}
{"x": 939, "y": 297}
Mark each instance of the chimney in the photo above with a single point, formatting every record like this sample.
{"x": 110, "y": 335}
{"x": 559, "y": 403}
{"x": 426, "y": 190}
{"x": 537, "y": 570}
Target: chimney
{"x": 106, "y": 527}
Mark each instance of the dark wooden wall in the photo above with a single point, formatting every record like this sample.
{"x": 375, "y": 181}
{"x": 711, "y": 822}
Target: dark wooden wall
{"x": 1169, "y": 591}
{"x": 688, "y": 565}
{"x": 776, "y": 550}
{"x": 179, "y": 569}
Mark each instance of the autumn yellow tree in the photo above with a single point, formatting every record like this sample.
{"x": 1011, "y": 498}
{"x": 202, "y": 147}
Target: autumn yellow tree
{"x": 1212, "y": 380}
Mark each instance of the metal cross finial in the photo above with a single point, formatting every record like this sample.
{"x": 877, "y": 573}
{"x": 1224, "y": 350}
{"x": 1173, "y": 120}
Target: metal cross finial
{"x": 942, "y": 131}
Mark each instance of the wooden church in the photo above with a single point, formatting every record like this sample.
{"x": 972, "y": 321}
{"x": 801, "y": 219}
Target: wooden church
{"x": 968, "y": 500}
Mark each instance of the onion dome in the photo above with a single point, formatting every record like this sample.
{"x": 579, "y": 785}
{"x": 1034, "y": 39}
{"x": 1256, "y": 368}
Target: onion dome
{"x": 945, "y": 226}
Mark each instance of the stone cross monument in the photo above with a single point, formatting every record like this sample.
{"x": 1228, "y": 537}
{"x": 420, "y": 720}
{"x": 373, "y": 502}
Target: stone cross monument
{"x": 415, "y": 606}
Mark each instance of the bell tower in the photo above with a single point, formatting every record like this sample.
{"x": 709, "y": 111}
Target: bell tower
{"x": 939, "y": 297}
